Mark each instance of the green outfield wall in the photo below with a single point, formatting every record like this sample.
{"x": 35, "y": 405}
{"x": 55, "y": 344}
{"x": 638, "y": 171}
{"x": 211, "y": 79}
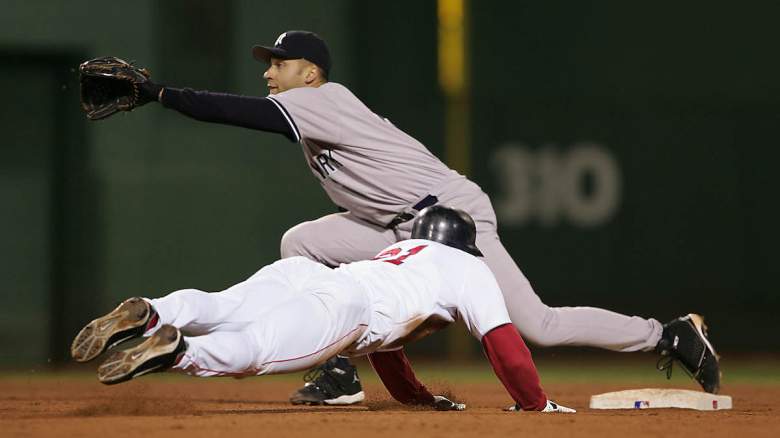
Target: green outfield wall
{"x": 629, "y": 151}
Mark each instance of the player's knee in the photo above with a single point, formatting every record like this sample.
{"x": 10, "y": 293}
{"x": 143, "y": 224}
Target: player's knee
{"x": 538, "y": 339}
{"x": 246, "y": 360}
{"x": 295, "y": 241}
{"x": 244, "y": 357}
{"x": 537, "y": 332}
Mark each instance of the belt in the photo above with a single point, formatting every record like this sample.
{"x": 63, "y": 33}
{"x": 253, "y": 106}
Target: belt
{"x": 406, "y": 216}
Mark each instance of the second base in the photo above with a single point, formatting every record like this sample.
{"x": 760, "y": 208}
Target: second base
{"x": 650, "y": 398}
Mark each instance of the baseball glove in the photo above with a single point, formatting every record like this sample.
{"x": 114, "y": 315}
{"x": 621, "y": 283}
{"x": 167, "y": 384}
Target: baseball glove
{"x": 109, "y": 84}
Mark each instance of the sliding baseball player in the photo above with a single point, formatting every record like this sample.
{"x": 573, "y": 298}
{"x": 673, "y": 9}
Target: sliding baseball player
{"x": 297, "y": 313}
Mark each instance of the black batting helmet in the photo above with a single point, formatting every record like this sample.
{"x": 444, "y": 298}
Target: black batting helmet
{"x": 449, "y": 226}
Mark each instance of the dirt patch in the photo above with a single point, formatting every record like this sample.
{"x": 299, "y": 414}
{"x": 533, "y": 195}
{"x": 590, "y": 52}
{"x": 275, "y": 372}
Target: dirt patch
{"x": 135, "y": 404}
{"x": 170, "y": 408}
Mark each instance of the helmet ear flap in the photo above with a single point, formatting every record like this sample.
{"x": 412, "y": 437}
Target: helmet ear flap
{"x": 449, "y": 226}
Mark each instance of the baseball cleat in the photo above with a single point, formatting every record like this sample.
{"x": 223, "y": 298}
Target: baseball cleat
{"x": 335, "y": 382}
{"x": 129, "y": 320}
{"x": 685, "y": 340}
{"x": 158, "y": 353}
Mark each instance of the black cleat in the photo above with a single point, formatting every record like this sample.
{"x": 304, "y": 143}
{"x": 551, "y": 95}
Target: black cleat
{"x": 158, "y": 353}
{"x": 685, "y": 340}
{"x": 335, "y": 382}
{"x": 129, "y": 320}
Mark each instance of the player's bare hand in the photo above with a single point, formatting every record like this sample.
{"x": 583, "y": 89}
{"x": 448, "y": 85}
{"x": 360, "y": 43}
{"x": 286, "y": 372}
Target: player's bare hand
{"x": 441, "y": 403}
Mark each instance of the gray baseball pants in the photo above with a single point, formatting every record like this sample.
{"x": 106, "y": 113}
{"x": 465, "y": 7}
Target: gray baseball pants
{"x": 343, "y": 238}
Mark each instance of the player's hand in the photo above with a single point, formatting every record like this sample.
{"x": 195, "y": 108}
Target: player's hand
{"x": 551, "y": 407}
{"x": 441, "y": 403}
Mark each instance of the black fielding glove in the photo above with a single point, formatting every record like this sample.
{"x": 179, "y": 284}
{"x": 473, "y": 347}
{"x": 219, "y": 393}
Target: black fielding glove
{"x": 110, "y": 84}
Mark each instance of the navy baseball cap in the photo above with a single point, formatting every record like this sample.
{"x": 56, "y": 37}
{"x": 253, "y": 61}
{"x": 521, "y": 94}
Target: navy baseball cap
{"x": 296, "y": 44}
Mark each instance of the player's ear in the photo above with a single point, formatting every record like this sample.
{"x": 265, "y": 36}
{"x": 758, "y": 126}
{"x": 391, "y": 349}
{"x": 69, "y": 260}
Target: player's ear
{"x": 313, "y": 74}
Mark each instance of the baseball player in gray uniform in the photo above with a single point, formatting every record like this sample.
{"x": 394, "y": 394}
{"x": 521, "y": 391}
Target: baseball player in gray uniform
{"x": 382, "y": 177}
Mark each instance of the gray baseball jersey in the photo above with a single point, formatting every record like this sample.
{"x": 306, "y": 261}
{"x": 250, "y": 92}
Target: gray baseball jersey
{"x": 364, "y": 163}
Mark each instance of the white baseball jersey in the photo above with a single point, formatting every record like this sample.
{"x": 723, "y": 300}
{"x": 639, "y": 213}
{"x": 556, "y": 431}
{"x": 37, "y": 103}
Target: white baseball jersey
{"x": 364, "y": 163}
{"x": 296, "y": 313}
{"x": 417, "y": 287}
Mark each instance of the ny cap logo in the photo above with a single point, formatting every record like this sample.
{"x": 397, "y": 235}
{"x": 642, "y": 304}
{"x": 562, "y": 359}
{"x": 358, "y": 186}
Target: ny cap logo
{"x": 280, "y": 39}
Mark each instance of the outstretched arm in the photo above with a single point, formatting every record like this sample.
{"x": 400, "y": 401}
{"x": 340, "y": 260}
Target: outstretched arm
{"x": 245, "y": 111}
{"x": 512, "y": 363}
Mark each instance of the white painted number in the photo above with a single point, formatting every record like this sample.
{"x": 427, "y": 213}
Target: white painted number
{"x": 581, "y": 185}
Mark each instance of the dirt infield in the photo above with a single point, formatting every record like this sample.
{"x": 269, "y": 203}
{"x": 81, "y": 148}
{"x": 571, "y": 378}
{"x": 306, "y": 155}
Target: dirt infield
{"x": 184, "y": 407}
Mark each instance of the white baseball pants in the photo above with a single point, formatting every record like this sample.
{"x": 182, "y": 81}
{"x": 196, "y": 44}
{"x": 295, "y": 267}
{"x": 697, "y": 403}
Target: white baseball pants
{"x": 290, "y": 316}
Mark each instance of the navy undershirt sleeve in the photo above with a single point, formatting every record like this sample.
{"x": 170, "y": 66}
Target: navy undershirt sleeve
{"x": 230, "y": 109}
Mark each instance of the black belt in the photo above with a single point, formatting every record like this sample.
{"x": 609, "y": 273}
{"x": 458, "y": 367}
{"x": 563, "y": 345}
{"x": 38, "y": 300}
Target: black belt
{"x": 406, "y": 216}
